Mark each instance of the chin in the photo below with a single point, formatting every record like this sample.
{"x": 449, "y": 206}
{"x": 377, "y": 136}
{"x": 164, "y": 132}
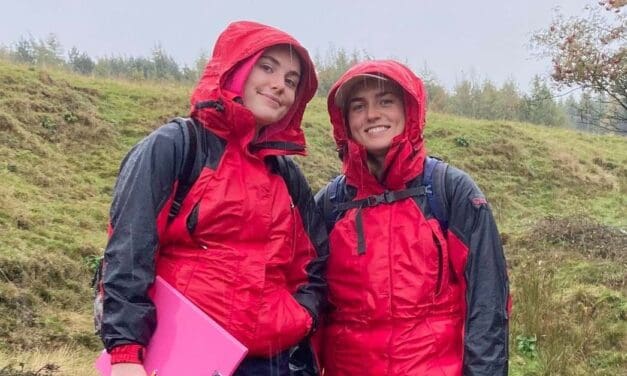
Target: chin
{"x": 267, "y": 119}
{"x": 378, "y": 152}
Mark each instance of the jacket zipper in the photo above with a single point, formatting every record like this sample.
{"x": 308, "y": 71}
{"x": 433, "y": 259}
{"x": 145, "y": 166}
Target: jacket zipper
{"x": 293, "y": 211}
{"x": 438, "y": 286}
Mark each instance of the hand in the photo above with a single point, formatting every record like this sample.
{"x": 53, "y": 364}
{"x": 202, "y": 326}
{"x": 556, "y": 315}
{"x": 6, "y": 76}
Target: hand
{"x": 128, "y": 369}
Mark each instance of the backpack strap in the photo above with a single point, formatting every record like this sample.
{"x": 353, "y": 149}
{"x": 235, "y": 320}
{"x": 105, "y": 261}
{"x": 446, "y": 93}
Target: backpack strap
{"x": 431, "y": 185}
{"x": 434, "y": 182}
{"x": 334, "y": 195}
{"x": 386, "y": 197}
{"x": 188, "y": 174}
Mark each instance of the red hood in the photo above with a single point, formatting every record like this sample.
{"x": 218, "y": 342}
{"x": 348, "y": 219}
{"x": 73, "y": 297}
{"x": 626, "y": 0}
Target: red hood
{"x": 406, "y": 155}
{"x": 238, "y": 42}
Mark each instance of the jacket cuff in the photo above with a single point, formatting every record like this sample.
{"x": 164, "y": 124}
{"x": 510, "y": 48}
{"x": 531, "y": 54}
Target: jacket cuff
{"x": 130, "y": 353}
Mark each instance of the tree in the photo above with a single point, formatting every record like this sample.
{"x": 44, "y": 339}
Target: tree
{"x": 488, "y": 101}
{"x": 464, "y": 100}
{"x": 40, "y": 52}
{"x": 165, "y": 66}
{"x": 509, "y": 101}
{"x": 591, "y": 52}
{"x": 24, "y": 51}
{"x": 614, "y": 5}
{"x": 539, "y": 107}
{"x": 437, "y": 96}
{"x": 336, "y": 62}
{"x": 80, "y": 61}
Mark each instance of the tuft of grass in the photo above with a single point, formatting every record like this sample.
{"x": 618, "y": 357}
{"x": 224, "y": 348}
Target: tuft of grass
{"x": 62, "y": 361}
{"x": 570, "y": 297}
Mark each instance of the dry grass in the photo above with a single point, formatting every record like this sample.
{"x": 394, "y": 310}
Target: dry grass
{"x": 64, "y": 361}
{"x": 568, "y": 284}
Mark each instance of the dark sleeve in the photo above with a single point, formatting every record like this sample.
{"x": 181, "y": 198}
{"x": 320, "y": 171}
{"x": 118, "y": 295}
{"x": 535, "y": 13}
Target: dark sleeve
{"x": 313, "y": 293}
{"x": 143, "y": 187}
{"x": 487, "y": 290}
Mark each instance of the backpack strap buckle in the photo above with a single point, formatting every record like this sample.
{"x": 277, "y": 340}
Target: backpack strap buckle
{"x": 373, "y": 200}
{"x": 387, "y": 197}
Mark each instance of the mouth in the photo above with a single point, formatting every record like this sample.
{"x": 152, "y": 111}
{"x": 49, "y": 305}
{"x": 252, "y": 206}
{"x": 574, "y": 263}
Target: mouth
{"x": 376, "y": 129}
{"x": 271, "y": 97}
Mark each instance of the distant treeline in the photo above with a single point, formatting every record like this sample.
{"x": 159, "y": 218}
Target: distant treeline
{"x": 49, "y": 52}
{"x": 482, "y": 100}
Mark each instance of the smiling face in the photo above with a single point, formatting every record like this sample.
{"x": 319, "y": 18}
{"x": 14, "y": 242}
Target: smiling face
{"x": 270, "y": 89}
{"x": 375, "y": 113}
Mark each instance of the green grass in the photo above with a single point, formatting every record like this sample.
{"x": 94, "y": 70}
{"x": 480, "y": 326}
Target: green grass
{"x": 559, "y": 197}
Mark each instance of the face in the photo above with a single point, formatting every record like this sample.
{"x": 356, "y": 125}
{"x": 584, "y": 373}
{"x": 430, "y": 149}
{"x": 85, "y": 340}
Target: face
{"x": 376, "y": 114}
{"x": 270, "y": 88}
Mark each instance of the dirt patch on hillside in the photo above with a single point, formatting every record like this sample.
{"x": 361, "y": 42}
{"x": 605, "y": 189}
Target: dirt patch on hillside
{"x": 583, "y": 235}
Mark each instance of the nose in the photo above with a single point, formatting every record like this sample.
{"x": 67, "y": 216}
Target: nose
{"x": 277, "y": 82}
{"x": 372, "y": 113}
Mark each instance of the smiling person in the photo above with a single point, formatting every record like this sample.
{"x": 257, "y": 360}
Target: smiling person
{"x": 243, "y": 241}
{"x": 416, "y": 272}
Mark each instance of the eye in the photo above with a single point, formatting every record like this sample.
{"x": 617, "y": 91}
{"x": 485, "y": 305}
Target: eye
{"x": 356, "y": 106}
{"x": 291, "y": 83}
{"x": 387, "y": 101}
{"x": 266, "y": 67}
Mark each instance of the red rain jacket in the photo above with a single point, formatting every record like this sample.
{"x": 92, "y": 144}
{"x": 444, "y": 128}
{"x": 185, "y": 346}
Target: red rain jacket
{"x": 420, "y": 300}
{"x": 241, "y": 248}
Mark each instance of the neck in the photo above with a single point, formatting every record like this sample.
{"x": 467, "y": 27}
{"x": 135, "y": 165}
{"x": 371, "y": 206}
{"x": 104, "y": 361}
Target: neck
{"x": 376, "y": 164}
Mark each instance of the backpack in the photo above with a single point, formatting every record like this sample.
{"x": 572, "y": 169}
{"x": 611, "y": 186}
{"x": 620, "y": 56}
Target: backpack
{"x": 432, "y": 183}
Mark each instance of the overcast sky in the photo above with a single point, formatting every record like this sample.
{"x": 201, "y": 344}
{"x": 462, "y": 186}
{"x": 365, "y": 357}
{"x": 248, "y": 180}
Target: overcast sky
{"x": 455, "y": 39}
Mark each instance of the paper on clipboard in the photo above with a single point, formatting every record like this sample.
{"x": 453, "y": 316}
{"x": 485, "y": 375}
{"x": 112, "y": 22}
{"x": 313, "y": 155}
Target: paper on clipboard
{"x": 186, "y": 340}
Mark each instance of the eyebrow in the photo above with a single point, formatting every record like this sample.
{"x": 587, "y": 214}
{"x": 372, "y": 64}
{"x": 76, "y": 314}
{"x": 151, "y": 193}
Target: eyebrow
{"x": 378, "y": 95}
{"x": 275, "y": 61}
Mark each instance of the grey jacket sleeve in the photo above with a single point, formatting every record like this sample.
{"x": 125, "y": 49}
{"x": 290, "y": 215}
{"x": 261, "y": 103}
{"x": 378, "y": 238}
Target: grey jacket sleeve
{"x": 487, "y": 289}
{"x": 313, "y": 294}
{"x": 144, "y": 185}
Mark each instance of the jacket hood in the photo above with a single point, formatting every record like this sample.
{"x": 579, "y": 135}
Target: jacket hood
{"x": 405, "y": 158}
{"x": 220, "y": 109}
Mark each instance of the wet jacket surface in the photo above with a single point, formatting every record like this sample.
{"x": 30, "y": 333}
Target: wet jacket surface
{"x": 242, "y": 248}
{"x": 419, "y": 300}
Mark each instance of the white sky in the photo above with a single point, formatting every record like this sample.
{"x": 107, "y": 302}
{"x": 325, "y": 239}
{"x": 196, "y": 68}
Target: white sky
{"x": 455, "y": 39}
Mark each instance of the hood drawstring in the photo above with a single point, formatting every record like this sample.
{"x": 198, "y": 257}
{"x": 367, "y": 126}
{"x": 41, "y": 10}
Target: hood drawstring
{"x": 218, "y": 105}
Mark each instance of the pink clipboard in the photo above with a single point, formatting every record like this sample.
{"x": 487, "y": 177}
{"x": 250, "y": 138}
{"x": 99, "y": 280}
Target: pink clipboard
{"x": 186, "y": 340}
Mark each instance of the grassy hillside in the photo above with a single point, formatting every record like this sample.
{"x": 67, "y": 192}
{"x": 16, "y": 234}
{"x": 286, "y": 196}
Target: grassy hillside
{"x": 560, "y": 198}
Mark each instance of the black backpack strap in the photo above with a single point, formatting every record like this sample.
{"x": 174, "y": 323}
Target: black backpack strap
{"x": 334, "y": 195}
{"x": 386, "y": 197}
{"x": 280, "y": 165}
{"x": 186, "y": 176}
{"x": 431, "y": 185}
{"x": 434, "y": 183}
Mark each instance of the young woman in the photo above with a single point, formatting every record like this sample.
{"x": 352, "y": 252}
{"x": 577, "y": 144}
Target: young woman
{"x": 242, "y": 247}
{"x": 409, "y": 293}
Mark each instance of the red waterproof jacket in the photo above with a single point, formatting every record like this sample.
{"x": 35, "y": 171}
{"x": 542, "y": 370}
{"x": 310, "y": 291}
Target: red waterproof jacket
{"x": 419, "y": 300}
{"x": 241, "y": 247}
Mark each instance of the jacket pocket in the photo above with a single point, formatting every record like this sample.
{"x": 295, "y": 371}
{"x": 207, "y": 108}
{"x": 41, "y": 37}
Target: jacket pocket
{"x": 192, "y": 219}
{"x": 442, "y": 259}
{"x": 283, "y": 323}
